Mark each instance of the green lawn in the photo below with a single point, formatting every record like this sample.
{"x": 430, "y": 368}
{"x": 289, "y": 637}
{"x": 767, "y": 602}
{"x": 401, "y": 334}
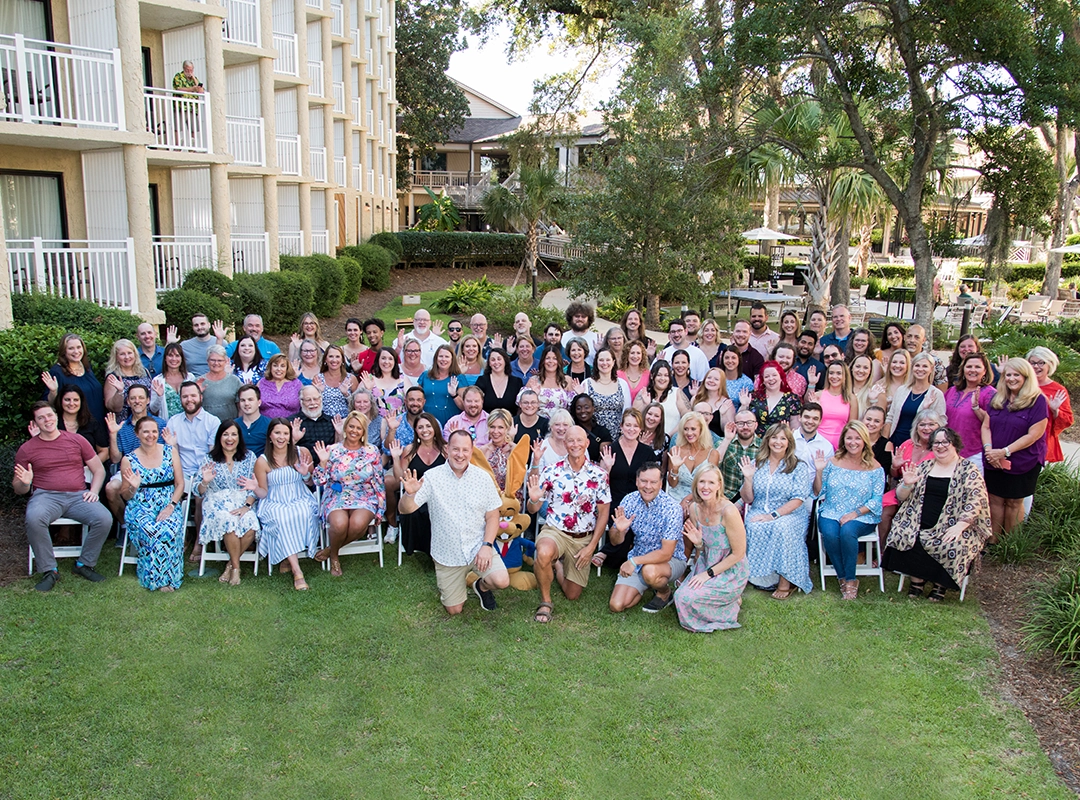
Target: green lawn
{"x": 362, "y": 687}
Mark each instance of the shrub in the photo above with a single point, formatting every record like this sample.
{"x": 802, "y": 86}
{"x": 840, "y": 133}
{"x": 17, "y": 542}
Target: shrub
{"x": 254, "y": 296}
{"x": 465, "y": 295}
{"x": 1017, "y": 342}
{"x": 505, "y": 304}
{"x": 375, "y": 261}
{"x": 180, "y": 305}
{"x": 327, "y": 280}
{"x": 73, "y": 315}
{"x": 1018, "y": 547}
{"x": 444, "y": 249}
{"x": 354, "y": 278}
{"x": 614, "y": 309}
{"x": 1055, "y": 618}
{"x": 389, "y": 241}
{"x": 291, "y": 295}
{"x": 211, "y": 282}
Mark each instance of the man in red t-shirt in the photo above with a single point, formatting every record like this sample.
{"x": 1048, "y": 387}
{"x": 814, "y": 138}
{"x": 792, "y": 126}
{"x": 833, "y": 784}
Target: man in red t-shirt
{"x": 51, "y": 464}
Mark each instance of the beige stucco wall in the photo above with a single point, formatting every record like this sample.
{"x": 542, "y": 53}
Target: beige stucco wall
{"x": 152, "y": 39}
{"x": 67, "y": 163}
{"x": 162, "y": 176}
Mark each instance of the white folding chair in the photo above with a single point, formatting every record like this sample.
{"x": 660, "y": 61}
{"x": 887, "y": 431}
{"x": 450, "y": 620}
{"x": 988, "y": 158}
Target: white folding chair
{"x": 872, "y": 548}
{"x": 370, "y": 544}
{"x": 64, "y": 551}
{"x": 215, "y": 551}
{"x": 126, "y": 556}
{"x": 963, "y": 585}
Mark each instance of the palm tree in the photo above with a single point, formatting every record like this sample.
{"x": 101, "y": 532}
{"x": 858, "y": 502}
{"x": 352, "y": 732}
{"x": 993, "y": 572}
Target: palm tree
{"x": 539, "y": 194}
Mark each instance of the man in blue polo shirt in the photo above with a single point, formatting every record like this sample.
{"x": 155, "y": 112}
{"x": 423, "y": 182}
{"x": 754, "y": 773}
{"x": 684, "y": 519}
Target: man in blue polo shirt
{"x": 253, "y": 327}
{"x": 253, "y": 424}
{"x": 841, "y": 332}
{"x": 150, "y": 352}
{"x": 123, "y": 439}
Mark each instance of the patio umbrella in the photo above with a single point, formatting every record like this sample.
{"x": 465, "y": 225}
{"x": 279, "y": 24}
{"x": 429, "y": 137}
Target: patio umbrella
{"x": 1068, "y": 248}
{"x": 765, "y": 234}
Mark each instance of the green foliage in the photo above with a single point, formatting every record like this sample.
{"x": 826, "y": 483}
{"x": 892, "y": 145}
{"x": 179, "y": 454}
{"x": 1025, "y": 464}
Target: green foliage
{"x": 253, "y": 296}
{"x": 1019, "y": 547}
{"x": 614, "y": 309}
{"x": 375, "y": 261}
{"x": 501, "y": 308}
{"x": 460, "y": 248}
{"x": 354, "y": 278}
{"x": 292, "y": 294}
{"x": 180, "y": 305}
{"x": 25, "y": 351}
{"x": 327, "y": 280}
{"x": 1055, "y": 618}
{"x": 439, "y": 215}
{"x": 465, "y": 295}
{"x": 74, "y": 315}
{"x": 1020, "y": 289}
{"x": 211, "y": 282}
{"x": 1013, "y": 341}
{"x": 389, "y": 241}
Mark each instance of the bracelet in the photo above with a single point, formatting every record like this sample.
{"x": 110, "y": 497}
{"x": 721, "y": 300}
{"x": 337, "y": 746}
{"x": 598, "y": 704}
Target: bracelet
{"x": 986, "y": 448}
{"x": 1008, "y": 454}
{"x": 634, "y": 563}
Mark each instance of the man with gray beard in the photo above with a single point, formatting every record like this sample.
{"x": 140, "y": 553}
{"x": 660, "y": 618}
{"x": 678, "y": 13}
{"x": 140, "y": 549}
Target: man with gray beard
{"x": 311, "y": 425}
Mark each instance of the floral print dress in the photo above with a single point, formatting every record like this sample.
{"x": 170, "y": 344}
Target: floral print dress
{"x": 351, "y": 479}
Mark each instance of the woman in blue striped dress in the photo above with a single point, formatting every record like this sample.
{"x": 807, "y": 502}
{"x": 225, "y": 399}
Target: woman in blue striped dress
{"x": 288, "y": 512}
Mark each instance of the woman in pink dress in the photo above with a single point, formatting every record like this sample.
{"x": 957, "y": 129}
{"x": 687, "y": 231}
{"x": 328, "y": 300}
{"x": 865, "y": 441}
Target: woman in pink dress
{"x": 837, "y": 401}
{"x": 635, "y": 367}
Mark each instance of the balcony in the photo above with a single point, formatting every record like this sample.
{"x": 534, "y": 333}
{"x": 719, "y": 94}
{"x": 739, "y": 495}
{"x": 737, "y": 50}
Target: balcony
{"x": 251, "y": 253}
{"x": 340, "y": 170}
{"x": 355, "y": 43}
{"x": 337, "y": 19}
{"x": 339, "y": 97}
{"x": 55, "y": 84}
{"x": 369, "y": 6}
{"x": 286, "y": 62}
{"x": 313, "y": 4}
{"x": 370, "y": 122}
{"x": 357, "y": 106}
{"x": 241, "y": 25}
{"x": 318, "y": 164}
{"x": 382, "y": 185}
{"x": 382, "y": 80}
{"x": 315, "y": 78}
{"x": 290, "y": 243}
{"x": 245, "y": 140}
{"x": 178, "y": 121}
{"x": 100, "y": 271}
{"x": 357, "y": 177}
{"x": 371, "y": 181}
{"x": 288, "y": 154}
{"x": 320, "y": 242}
{"x": 176, "y": 256}
{"x": 370, "y": 62}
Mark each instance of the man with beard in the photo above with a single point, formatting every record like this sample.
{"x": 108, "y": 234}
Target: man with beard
{"x": 751, "y": 359}
{"x": 311, "y": 425}
{"x": 194, "y": 428}
{"x": 196, "y": 347}
{"x": 692, "y": 320}
{"x": 699, "y": 363}
{"x": 424, "y": 333}
{"x": 805, "y": 360}
{"x": 761, "y": 338}
{"x": 473, "y": 420}
{"x": 740, "y": 440}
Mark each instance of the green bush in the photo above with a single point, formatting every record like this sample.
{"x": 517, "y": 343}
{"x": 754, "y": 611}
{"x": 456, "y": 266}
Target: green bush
{"x": 1018, "y": 341}
{"x": 354, "y": 278}
{"x": 614, "y": 309}
{"x": 327, "y": 280}
{"x": 211, "y": 282}
{"x": 375, "y": 261}
{"x": 389, "y": 241}
{"x": 180, "y": 305}
{"x": 505, "y": 304}
{"x": 254, "y": 296}
{"x": 73, "y": 315}
{"x": 463, "y": 248}
{"x": 291, "y": 295}
{"x": 465, "y": 295}
{"x": 1055, "y": 618}
{"x": 1018, "y": 547}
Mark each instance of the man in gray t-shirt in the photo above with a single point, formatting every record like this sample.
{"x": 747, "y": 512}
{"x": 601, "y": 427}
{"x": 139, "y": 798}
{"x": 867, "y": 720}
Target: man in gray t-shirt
{"x": 196, "y": 347}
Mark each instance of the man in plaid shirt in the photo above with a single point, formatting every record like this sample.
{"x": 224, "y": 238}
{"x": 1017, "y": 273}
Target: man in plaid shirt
{"x": 740, "y": 439}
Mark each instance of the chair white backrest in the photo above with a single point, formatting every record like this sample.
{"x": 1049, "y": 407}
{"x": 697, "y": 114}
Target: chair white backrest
{"x": 963, "y": 585}
{"x": 872, "y": 549}
{"x": 126, "y": 556}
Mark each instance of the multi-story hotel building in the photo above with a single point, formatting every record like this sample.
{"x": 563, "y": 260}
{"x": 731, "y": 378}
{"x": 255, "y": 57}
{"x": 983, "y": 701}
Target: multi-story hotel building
{"x": 113, "y": 185}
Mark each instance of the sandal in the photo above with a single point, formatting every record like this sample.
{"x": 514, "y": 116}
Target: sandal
{"x": 916, "y": 589}
{"x": 937, "y": 594}
{"x": 599, "y": 559}
{"x": 323, "y": 554}
{"x": 850, "y": 590}
{"x": 196, "y": 554}
{"x": 784, "y": 594}
{"x": 234, "y": 579}
{"x": 544, "y": 613}
{"x": 300, "y": 585}
{"x": 226, "y": 574}
{"x": 335, "y": 568}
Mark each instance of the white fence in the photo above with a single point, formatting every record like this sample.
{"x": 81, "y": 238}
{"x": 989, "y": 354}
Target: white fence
{"x": 245, "y": 140}
{"x": 318, "y": 164}
{"x": 241, "y": 22}
{"x": 178, "y": 121}
{"x": 371, "y": 181}
{"x": 290, "y": 243}
{"x": 337, "y": 19}
{"x": 339, "y": 96}
{"x": 356, "y": 43}
{"x": 288, "y": 154}
{"x": 176, "y": 256}
{"x": 251, "y": 252}
{"x": 320, "y": 242}
{"x": 340, "y": 170}
{"x": 100, "y": 271}
{"x": 357, "y": 177}
{"x": 315, "y": 78}
{"x": 287, "y": 60}
{"x": 370, "y": 64}
{"x": 313, "y": 3}
{"x": 54, "y": 83}
{"x": 357, "y": 107}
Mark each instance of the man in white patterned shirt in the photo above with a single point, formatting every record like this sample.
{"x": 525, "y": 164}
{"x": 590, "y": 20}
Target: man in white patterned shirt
{"x": 463, "y": 504}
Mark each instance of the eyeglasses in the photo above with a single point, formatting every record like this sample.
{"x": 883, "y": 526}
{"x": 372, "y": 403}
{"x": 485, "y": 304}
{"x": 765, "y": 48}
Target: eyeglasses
{"x": 413, "y": 350}
{"x": 1037, "y": 363}
{"x": 940, "y": 443}
{"x": 454, "y": 330}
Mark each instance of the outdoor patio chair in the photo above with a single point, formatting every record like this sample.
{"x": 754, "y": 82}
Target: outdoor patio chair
{"x": 872, "y": 549}
{"x": 963, "y": 585}
{"x": 372, "y": 543}
{"x": 1071, "y": 310}
{"x": 126, "y": 556}
{"x": 64, "y": 551}
{"x": 1031, "y": 310}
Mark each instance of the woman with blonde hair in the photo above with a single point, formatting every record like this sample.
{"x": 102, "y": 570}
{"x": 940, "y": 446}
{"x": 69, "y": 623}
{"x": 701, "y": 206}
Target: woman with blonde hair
{"x": 897, "y": 371}
{"x": 470, "y": 356}
{"x": 837, "y": 401}
{"x": 709, "y": 342}
{"x": 124, "y": 370}
{"x": 500, "y": 425}
{"x": 307, "y": 328}
{"x": 713, "y": 390}
{"x": 1044, "y": 362}
{"x": 690, "y": 454}
{"x": 918, "y": 393}
{"x": 862, "y": 381}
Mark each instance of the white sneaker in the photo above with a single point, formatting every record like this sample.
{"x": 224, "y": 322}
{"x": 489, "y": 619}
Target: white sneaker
{"x": 391, "y": 534}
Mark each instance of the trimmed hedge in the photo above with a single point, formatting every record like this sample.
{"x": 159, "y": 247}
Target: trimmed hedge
{"x": 501, "y": 308}
{"x": 354, "y": 278}
{"x": 180, "y": 305}
{"x": 389, "y": 241}
{"x": 74, "y": 315}
{"x": 443, "y": 249}
{"x": 292, "y": 294}
{"x": 327, "y": 279}
{"x": 253, "y": 295}
{"x": 375, "y": 261}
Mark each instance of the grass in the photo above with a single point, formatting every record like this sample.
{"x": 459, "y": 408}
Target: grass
{"x": 363, "y": 687}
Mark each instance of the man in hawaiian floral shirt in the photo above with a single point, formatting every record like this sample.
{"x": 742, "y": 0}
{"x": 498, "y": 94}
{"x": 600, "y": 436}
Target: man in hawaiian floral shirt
{"x": 579, "y": 503}
{"x": 187, "y": 121}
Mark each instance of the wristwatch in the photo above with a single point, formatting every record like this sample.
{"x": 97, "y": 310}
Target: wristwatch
{"x": 710, "y": 572}
{"x": 489, "y": 544}
{"x": 775, "y": 515}
{"x": 1007, "y": 453}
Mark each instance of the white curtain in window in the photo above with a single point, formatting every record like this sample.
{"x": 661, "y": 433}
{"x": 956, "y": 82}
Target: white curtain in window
{"x": 23, "y": 16}
{"x": 31, "y": 206}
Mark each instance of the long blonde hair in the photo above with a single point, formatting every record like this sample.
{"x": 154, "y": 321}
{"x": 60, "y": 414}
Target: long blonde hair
{"x": 845, "y": 383}
{"x": 137, "y": 368}
{"x": 911, "y": 368}
{"x": 1028, "y": 393}
{"x": 680, "y": 437}
{"x": 890, "y": 385}
{"x": 719, "y": 477}
{"x": 702, "y": 394}
{"x": 790, "y": 460}
{"x": 867, "y": 457}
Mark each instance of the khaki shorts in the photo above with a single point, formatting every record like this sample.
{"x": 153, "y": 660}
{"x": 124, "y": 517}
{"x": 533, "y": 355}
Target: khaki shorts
{"x": 568, "y": 547}
{"x": 453, "y": 590}
{"x": 676, "y": 565}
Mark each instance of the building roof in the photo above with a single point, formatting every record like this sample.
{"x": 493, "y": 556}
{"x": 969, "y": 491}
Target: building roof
{"x": 477, "y": 129}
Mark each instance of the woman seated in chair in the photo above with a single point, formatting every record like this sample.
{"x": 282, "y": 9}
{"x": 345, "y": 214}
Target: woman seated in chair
{"x": 227, "y": 509}
{"x": 943, "y": 521}
{"x": 354, "y": 493}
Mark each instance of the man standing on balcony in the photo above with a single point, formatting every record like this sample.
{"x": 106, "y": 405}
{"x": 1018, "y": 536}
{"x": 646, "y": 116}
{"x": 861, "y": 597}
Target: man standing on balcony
{"x": 187, "y": 113}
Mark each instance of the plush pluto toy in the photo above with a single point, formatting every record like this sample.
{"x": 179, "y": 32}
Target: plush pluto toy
{"x": 515, "y": 550}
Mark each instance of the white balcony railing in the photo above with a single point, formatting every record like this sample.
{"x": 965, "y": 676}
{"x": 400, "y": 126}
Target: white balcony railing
{"x": 356, "y": 43}
{"x": 441, "y": 178}
{"x": 178, "y": 121}
{"x": 382, "y": 132}
{"x": 290, "y": 243}
{"x": 320, "y": 242}
{"x": 382, "y": 185}
{"x": 53, "y": 83}
{"x": 370, "y": 62}
{"x": 339, "y": 97}
{"x": 315, "y": 78}
{"x": 337, "y": 19}
{"x": 99, "y": 271}
{"x": 176, "y": 256}
{"x": 357, "y": 177}
{"x": 318, "y": 164}
{"x": 369, "y": 5}
{"x": 245, "y": 140}
{"x": 251, "y": 252}
{"x": 288, "y": 154}
{"x": 382, "y": 81}
{"x": 241, "y": 25}
{"x": 340, "y": 170}
{"x": 369, "y": 120}
{"x": 357, "y": 106}
{"x": 313, "y": 4}
{"x": 286, "y": 62}
{"x": 371, "y": 181}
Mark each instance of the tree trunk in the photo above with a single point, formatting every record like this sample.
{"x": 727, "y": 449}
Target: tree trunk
{"x": 823, "y": 237}
{"x": 771, "y": 215}
{"x": 532, "y": 248}
{"x": 1063, "y": 205}
{"x": 924, "y": 268}
{"x": 862, "y": 256}
{"x": 652, "y": 311}
{"x": 841, "y": 280}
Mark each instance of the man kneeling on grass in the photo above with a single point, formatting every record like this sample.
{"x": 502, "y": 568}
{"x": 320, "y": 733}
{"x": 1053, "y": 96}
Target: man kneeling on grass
{"x": 463, "y": 504}
{"x": 658, "y": 557}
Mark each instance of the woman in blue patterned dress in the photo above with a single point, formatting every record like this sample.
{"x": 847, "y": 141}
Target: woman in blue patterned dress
{"x": 226, "y": 481}
{"x": 851, "y": 485}
{"x": 710, "y": 598}
{"x": 776, "y": 490}
{"x": 335, "y": 382}
{"x": 690, "y": 453}
{"x": 288, "y": 512}
{"x": 354, "y": 496}
{"x": 153, "y": 484}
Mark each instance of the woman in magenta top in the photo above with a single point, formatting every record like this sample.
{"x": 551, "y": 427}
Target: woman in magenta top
{"x": 972, "y": 386}
{"x": 279, "y": 389}
{"x": 635, "y": 367}
{"x": 838, "y": 403}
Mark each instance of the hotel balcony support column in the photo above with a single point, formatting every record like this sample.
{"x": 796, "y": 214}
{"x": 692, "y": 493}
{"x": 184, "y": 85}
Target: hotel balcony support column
{"x": 270, "y": 209}
{"x": 327, "y": 57}
{"x": 305, "y": 215}
{"x": 219, "y": 173}
{"x": 6, "y": 320}
{"x": 137, "y": 182}
{"x": 303, "y": 128}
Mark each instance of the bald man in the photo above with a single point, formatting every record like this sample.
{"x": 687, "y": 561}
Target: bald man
{"x": 427, "y": 336}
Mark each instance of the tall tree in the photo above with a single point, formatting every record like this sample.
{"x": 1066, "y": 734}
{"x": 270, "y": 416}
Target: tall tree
{"x": 430, "y": 104}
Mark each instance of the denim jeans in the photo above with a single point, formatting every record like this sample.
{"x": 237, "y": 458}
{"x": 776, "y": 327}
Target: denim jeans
{"x": 841, "y": 543}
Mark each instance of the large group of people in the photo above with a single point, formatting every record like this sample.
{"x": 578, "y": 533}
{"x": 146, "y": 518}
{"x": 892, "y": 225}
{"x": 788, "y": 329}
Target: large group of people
{"x": 691, "y": 469}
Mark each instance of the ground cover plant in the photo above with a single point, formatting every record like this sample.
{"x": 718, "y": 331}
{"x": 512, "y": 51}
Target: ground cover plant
{"x": 362, "y": 687}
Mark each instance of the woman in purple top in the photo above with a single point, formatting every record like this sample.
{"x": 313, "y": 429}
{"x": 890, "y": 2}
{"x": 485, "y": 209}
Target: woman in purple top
{"x": 972, "y": 386}
{"x": 280, "y": 389}
{"x": 1014, "y": 443}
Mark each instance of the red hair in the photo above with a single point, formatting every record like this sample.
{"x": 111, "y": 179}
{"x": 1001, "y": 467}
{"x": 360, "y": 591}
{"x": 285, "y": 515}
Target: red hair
{"x": 759, "y": 390}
